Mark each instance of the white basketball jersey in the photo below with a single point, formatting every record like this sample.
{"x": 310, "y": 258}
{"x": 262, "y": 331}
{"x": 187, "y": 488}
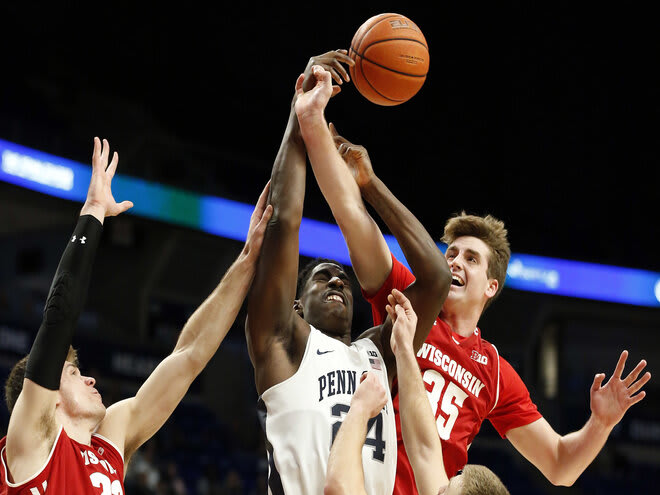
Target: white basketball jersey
{"x": 302, "y": 415}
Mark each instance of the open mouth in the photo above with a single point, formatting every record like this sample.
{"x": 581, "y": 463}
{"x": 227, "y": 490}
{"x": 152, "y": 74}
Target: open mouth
{"x": 334, "y": 297}
{"x": 457, "y": 281}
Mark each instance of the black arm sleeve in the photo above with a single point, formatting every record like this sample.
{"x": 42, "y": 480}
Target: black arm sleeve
{"x": 65, "y": 301}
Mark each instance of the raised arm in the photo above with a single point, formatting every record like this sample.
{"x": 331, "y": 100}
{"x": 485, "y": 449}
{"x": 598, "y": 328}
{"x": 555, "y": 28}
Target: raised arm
{"x": 271, "y": 323}
{"x": 133, "y": 421}
{"x": 562, "y": 459}
{"x": 420, "y": 434}
{"x": 32, "y": 426}
{"x": 433, "y": 278}
{"x": 345, "y": 475}
{"x": 368, "y": 251}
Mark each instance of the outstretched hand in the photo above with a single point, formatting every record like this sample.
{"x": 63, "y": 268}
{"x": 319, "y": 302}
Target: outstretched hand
{"x": 610, "y": 402}
{"x": 355, "y": 156}
{"x": 100, "y": 201}
{"x": 405, "y": 322}
{"x": 257, "y": 229}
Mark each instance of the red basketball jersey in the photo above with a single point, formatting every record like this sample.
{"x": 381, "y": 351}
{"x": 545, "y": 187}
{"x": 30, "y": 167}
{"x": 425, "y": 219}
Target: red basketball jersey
{"x": 72, "y": 467}
{"x": 466, "y": 382}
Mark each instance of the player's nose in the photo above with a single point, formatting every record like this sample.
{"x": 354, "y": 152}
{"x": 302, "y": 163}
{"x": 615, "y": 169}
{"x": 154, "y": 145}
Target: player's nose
{"x": 90, "y": 381}
{"x": 336, "y": 282}
{"x": 455, "y": 262}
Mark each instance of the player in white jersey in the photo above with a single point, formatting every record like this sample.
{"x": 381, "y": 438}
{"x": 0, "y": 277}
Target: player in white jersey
{"x": 299, "y": 334}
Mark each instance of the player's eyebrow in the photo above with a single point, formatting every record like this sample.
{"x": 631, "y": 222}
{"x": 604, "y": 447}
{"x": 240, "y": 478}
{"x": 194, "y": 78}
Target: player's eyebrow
{"x": 329, "y": 274}
{"x": 474, "y": 253}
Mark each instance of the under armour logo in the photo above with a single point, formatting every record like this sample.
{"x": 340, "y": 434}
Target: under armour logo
{"x": 101, "y": 451}
{"x": 82, "y": 239}
{"x": 73, "y": 239}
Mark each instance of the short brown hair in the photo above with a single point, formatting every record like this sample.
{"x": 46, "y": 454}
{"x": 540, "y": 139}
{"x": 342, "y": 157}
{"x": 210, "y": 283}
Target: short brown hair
{"x": 479, "y": 480}
{"x": 492, "y": 232}
{"x": 14, "y": 383}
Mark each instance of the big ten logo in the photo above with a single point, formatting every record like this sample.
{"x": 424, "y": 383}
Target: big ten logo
{"x": 402, "y": 24}
{"x": 90, "y": 458}
{"x": 372, "y": 353}
{"x": 479, "y": 358}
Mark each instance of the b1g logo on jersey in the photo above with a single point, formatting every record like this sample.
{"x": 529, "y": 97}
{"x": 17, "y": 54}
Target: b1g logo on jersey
{"x": 479, "y": 358}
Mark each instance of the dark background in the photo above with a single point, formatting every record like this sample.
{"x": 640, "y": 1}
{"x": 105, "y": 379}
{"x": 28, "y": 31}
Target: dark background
{"x": 545, "y": 116}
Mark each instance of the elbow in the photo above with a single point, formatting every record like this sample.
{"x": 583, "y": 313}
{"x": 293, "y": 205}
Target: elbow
{"x": 440, "y": 281}
{"x": 284, "y": 220}
{"x": 560, "y": 477}
{"x": 559, "y": 480}
{"x": 193, "y": 363}
{"x": 444, "y": 277}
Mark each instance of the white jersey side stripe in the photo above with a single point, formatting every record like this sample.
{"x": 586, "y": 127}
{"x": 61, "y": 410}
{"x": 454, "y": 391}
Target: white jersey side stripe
{"x": 497, "y": 393}
{"x": 16, "y": 485}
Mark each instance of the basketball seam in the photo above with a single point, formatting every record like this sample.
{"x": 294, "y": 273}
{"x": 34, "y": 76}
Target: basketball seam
{"x": 387, "y": 68}
{"x": 371, "y": 27}
{"x": 394, "y": 39}
{"x": 372, "y": 86}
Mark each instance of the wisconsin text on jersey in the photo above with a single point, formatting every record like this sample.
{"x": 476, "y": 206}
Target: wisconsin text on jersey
{"x": 467, "y": 380}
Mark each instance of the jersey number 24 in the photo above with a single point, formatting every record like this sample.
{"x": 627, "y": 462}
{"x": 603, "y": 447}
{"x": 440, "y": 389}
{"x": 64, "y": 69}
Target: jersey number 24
{"x": 375, "y": 424}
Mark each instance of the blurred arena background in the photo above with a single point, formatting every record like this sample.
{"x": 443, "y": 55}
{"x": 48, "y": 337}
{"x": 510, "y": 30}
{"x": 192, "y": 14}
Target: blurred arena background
{"x": 545, "y": 116}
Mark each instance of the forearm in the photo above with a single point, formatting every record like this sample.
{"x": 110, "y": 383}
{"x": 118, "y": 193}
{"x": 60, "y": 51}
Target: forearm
{"x": 209, "y": 324}
{"x": 367, "y": 248}
{"x": 561, "y": 459}
{"x": 345, "y": 474}
{"x": 65, "y": 300}
{"x": 270, "y": 299}
{"x": 420, "y": 434}
{"x": 332, "y": 174}
{"x": 432, "y": 275}
{"x": 577, "y": 450}
{"x": 287, "y": 184}
{"x": 425, "y": 259}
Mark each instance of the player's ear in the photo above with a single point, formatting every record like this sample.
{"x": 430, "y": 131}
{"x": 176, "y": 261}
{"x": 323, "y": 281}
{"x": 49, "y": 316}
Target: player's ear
{"x": 491, "y": 290}
{"x": 298, "y": 307}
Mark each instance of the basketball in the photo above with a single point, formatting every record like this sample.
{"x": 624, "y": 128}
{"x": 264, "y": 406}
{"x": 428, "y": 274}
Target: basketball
{"x": 391, "y": 59}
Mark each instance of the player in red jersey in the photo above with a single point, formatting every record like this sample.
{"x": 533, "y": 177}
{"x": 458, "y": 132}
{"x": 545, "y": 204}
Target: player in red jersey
{"x": 418, "y": 427}
{"x": 466, "y": 379}
{"x": 61, "y": 438}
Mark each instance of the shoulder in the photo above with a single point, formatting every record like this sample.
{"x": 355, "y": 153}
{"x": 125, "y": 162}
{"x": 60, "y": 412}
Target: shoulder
{"x": 113, "y": 428}
{"x": 372, "y": 336}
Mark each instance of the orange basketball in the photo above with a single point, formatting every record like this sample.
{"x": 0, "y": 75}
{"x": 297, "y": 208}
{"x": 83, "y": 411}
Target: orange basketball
{"x": 391, "y": 59}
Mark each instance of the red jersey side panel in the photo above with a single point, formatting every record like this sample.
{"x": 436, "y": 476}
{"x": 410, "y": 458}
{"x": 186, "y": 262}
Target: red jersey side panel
{"x": 72, "y": 467}
{"x": 466, "y": 382}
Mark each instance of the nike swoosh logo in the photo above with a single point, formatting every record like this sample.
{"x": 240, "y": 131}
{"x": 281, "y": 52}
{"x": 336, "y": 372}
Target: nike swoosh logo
{"x": 320, "y": 353}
